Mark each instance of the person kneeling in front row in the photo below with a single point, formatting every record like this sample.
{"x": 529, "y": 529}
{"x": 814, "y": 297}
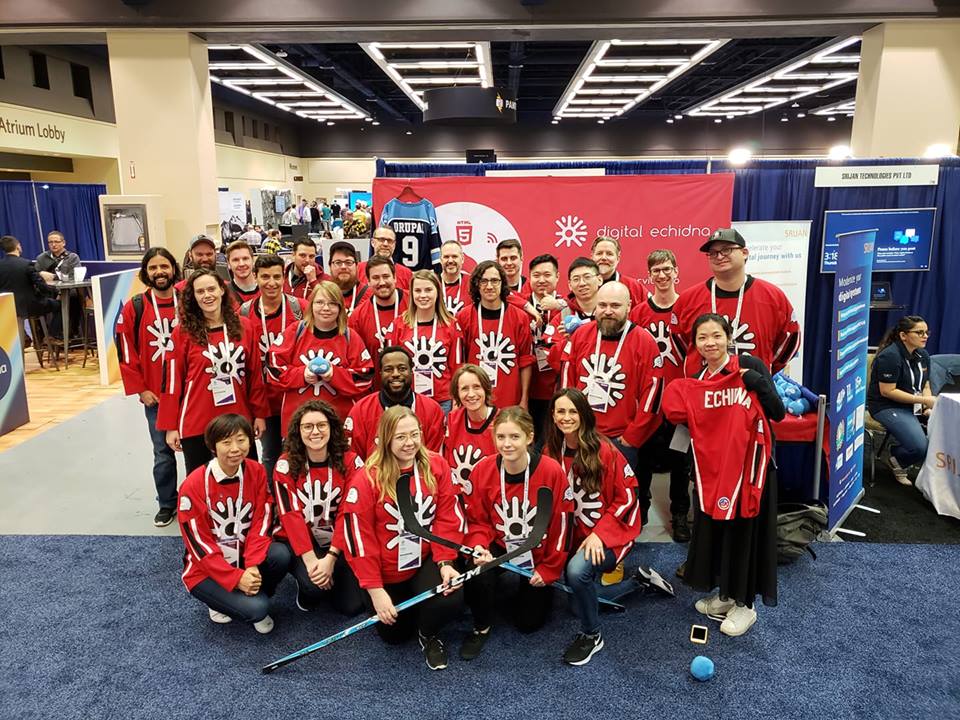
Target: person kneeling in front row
{"x": 225, "y": 511}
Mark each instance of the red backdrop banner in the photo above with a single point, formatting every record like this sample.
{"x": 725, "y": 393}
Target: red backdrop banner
{"x": 562, "y": 215}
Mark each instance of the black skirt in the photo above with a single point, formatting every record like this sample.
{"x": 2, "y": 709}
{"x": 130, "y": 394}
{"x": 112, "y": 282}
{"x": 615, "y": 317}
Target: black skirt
{"x": 739, "y": 556}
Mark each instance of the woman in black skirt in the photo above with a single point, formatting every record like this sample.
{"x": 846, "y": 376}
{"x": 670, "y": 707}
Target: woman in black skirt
{"x": 727, "y": 409}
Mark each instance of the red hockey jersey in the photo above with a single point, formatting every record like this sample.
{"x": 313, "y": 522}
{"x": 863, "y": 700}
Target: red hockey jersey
{"x": 142, "y": 351}
{"x": 243, "y": 296}
{"x": 403, "y": 275}
{"x": 298, "y": 285}
{"x": 465, "y": 445}
{"x": 307, "y": 505}
{"x": 352, "y": 369}
{"x": 663, "y": 325}
{"x": 202, "y": 382}
{"x": 498, "y": 517}
{"x": 225, "y": 523}
{"x": 730, "y": 439}
{"x": 364, "y": 419}
{"x": 371, "y": 530}
{"x": 543, "y": 383}
{"x": 374, "y": 323}
{"x": 613, "y": 513}
{"x": 269, "y": 333}
{"x": 457, "y": 294}
{"x": 766, "y": 326}
{"x": 436, "y": 352}
{"x": 620, "y": 378}
{"x": 502, "y": 348}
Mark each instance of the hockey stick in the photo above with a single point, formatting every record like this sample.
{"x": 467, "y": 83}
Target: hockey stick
{"x": 540, "y": 523}
{"x": 412, "y": 525}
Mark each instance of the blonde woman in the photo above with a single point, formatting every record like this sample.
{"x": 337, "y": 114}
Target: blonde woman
{"x": 391, "y": 564}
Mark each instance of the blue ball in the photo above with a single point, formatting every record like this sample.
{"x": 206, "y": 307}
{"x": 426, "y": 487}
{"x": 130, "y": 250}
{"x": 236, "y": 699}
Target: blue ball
{"x": 792, "y": 392}
{"x": 571, "y": 323}
{"x": 795, "y": 407}
{"x": 319, "y": 365}
{"x": 702, "y": 668}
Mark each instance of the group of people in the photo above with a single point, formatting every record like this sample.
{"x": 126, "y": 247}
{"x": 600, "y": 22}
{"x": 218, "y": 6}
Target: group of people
{"x": 476, "y": 389}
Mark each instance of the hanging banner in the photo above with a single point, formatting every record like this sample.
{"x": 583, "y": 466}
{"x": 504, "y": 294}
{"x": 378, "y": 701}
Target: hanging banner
{"x": 778, "y": 254}
{"x": 13, "y": 392}
{"x": 876, "y": 175}
{"x": 563, "y": 215}
{"x": 848, "y": 370}
{"x": 110, "y": 292}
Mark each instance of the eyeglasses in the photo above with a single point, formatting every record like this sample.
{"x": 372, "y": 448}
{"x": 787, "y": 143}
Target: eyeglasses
{"x": 662, "y": 271}
{"x": 310, "y": 427}
{"x": 326, "y": 303}
{"x": 493, "y": 282}
{"x": 412, "y": 437}
{"x": 578, "y": 279}
{"x": 722, "y": 252}
{"x": 342, "y": 263}
{"x": 919, "y": 333}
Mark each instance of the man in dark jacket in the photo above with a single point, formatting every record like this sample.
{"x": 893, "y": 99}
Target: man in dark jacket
{"x": 31, "y": 294}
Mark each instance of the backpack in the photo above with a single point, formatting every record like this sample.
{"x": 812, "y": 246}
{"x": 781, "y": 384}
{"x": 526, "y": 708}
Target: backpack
{"x": 292, "y": 305}
{"x": 798, "y": 525}
{"x": 137, "y": 302}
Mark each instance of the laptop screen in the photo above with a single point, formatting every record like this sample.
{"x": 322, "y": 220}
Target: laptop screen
{"x": 880, "y": 291}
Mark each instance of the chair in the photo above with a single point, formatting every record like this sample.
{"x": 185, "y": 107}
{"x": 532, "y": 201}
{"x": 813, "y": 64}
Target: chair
{"x": 874, "y": 430}
{"x": 38, "y": 327}
{"x": 88, "y": 317}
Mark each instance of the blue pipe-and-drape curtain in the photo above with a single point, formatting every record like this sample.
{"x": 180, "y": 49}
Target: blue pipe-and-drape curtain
{"x": 30, "y": 210}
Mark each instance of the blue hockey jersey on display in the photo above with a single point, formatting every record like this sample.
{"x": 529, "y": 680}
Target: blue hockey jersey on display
{"x": 418, "y": 235}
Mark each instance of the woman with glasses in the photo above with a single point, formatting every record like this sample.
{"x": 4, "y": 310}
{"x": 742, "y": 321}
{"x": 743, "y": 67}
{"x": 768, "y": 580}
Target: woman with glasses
{"x": 322, "y": 334}
{"x": 432, "y": 336}
{"x": 309, "y": 486}
{"x": 899, "y": 395}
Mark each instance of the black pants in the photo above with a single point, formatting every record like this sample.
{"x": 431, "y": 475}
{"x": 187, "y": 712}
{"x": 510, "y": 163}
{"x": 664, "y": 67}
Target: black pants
{"x": 345, "y": 596}
{"x": 656, "y": 456}
{"x": 525, "y": 606}
{"x": 247, "y": 608}
{"x": 539, "y": 411}
{"x": 196, "y": 453}
{"x": 272, "y": 443}
{"x": 428, "y": 617}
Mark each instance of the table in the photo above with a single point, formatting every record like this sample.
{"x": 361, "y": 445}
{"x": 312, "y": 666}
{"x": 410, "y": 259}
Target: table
{"x": 939, "y": 478}
{"x": 64, "y": 287}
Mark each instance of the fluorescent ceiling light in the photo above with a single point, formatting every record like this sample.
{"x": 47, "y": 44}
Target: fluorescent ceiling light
{"x": 845, "y": 108}
{"x": 739, "y": 156}
{"x": 600, "y": 67}
{"x": 839, "y": 152}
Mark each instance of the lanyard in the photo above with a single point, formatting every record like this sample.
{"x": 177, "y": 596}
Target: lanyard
{"x": 353, "y": 299}
{"x": 326, "y": 511}
{"x": 433, "y": 332}
{"x": 239, "y": 506}
{"x": 916, "y": 383}
{"x": 416, "y": 482}
{"x": 499, "y": 322}
{"x": 703, "y": 373}
{"x": 376, "y": 312}
{"x": 713, "y": 301}
{"x": 526, "y": 487}
{"x": 263, "y": 321}
{"x": 616, "y": 354}
{"x": 156, "y": 314}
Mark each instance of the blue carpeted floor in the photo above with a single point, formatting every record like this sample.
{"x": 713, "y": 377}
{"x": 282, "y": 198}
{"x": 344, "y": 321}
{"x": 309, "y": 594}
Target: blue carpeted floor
{"x": 100, "y": 627}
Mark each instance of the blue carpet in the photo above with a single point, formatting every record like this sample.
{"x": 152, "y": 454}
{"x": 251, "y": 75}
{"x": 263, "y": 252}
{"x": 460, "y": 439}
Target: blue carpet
{"x": 100, "y": 627}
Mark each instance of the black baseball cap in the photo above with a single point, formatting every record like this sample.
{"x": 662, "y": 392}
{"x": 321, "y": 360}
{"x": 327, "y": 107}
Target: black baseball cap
{"x": 198, "y": 239}
{"x": 727, "y": 235}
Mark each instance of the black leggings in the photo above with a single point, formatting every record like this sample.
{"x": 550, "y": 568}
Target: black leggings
{"x": 345, "y": 595}
{"x": 428, "y": 617}
{"x": 524, "y": 605}
{"x": 196, "y": 453}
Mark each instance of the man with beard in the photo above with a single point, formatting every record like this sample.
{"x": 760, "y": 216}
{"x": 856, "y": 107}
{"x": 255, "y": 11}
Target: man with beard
{"x": 456, "y": 283}
{"x": 377, "y": 317}
{"x": 396, "y": 388}
{"x": 605, "y": 252}
{"x": 144, "y": 339}
{"x": 202, "y": 254}
{"x": 302, "y": 274}
{"x": 384, "y": 244}
{"x": 343, "y": 271}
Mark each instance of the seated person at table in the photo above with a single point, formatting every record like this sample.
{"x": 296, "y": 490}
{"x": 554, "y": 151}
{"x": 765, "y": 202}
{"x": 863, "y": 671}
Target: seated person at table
{"x": 57, "y": 259}
{"x": 31, "y": 295}
{"x": 899, "y": 394}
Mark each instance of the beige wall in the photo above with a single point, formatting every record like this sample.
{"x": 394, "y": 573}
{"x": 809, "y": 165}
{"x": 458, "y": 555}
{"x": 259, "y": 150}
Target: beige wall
{"x": 87, "y": 170}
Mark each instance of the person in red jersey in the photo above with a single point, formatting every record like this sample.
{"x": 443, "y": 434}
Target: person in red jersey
{"x": 384, "y": 243}
{"x": 605, "y": 252}
{"x": 614, "y": 363}
{"x": 456, "y": 282}
{"x": 469, "y": 433}
{"x": 727, "y": 409}
{"x": 606, "y": 516}
{"x": 302, "y": 273}
{"x": 144, "y": 337}
{"x": 396, "y": 388}
{"x": 763, "y": 321}
{"x": 657, "y": 316}
{"x": 544, "y": 275}
{"x": 309, "y": 485}
{"x": 432, "y": 336}
{"x": 343, "y": 271}
{"x": 243, "y": 281}
{"x": 496, "y": 336}
{"x": 375, "y": 319}
{"x": 230, "y": 563}
{"x": 510, "y": 258}
{"x": 201, "y": 255}
{"x": 499, "y": 516}
{"x": 583, "y": 277}
{"x": 214, "y": 369}
{"x": 323, "y": 333}
{"x": 271, "y": 313}
{"x": 391, "y": 564}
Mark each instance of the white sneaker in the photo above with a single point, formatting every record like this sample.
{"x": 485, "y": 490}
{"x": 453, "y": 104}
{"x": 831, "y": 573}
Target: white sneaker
{"x": 219, "y": 617}
{"x": 738, "y": 621}
{"x": 898, "y": 472}
{"x": 264, "y": 626}
{"x": 713, "y": 605}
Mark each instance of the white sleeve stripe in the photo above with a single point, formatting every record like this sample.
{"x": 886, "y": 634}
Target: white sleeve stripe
{"x": 196, "y": 536}
{"x": 733, "y": 498}
{"x": 359, "y": 537}
{"x": 126, "y": 350}
{"x": 183, "y": 412}
{"x": 563, "y": 532}
{"x": 648, "y": 405}
{"x": 696, "y": 472}
{"x": 623, "y": 508}
{"x": 267, "y": 515}
{"x": 463, "y": 521}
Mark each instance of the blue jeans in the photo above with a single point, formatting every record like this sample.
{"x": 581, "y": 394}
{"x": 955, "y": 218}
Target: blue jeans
{"x": 911, "y": 447}
{"x": 272, "y": 444}
{"x": 247, "y": 608}
{"x": 164, "y": 461}
{"x": 582, "y": 576}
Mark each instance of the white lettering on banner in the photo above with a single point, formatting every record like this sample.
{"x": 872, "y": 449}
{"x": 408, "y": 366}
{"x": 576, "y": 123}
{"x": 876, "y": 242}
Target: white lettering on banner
{"x": 666, "y": 231}
{"x": 867, "y": 176}
{"x": 48, "y": 131}
{"x": 726, "y": 398}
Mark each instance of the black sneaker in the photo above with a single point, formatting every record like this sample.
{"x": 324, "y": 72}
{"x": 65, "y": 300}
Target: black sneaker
{"x": 433, "y": 652}
{"x": 473, "y": 644}
{"x": 681, "y": 528}
{"x": 583, "y": 648}
{"x": 164, "y": 516}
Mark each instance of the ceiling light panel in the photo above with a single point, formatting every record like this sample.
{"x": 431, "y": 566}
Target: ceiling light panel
{"x": 627, "y": 72}
{"x": 818, "y": 71}
{"x": 844, "y": 108}
{"x": 418, "y": 66}
{"x": 256, "y": 72}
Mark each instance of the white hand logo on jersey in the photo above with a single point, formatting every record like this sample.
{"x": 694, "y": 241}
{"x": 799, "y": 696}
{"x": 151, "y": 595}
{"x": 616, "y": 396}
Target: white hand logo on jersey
{"x": 424, "y": 509}
{"x": 162, "y": 341}
{"x": 268, "y": 341}
{"x": 515, "y": 519}
{"x": 320, "y": 501}
{"x": 497, "y": 350}
{"x": 586, "y": 506}
{"x": 229, "y": 523}
{"x": 742, "y": 339}
{"x": 601, "y": 369}
{"x": 464, "y": 458}
{"x": 661, "y": 333}
{"x": 454, "y": 305}
{"x": 226, "y": 360}
{"x": 382, "y": 333}
{"x": 428, "y": 353}
{"x": 320, "y": 384}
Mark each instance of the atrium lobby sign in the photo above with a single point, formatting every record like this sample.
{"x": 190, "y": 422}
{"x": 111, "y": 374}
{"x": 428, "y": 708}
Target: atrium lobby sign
{"x": 49, "y": 131}
{"x": 27, "y": 130}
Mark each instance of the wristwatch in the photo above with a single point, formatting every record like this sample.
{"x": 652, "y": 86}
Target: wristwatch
{"x": 444, "y": 563}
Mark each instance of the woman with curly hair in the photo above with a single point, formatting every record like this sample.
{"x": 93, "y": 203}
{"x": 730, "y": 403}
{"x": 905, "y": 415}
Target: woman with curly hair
{"x": 214, "y": 369}
{"x": 308, "y": 486}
